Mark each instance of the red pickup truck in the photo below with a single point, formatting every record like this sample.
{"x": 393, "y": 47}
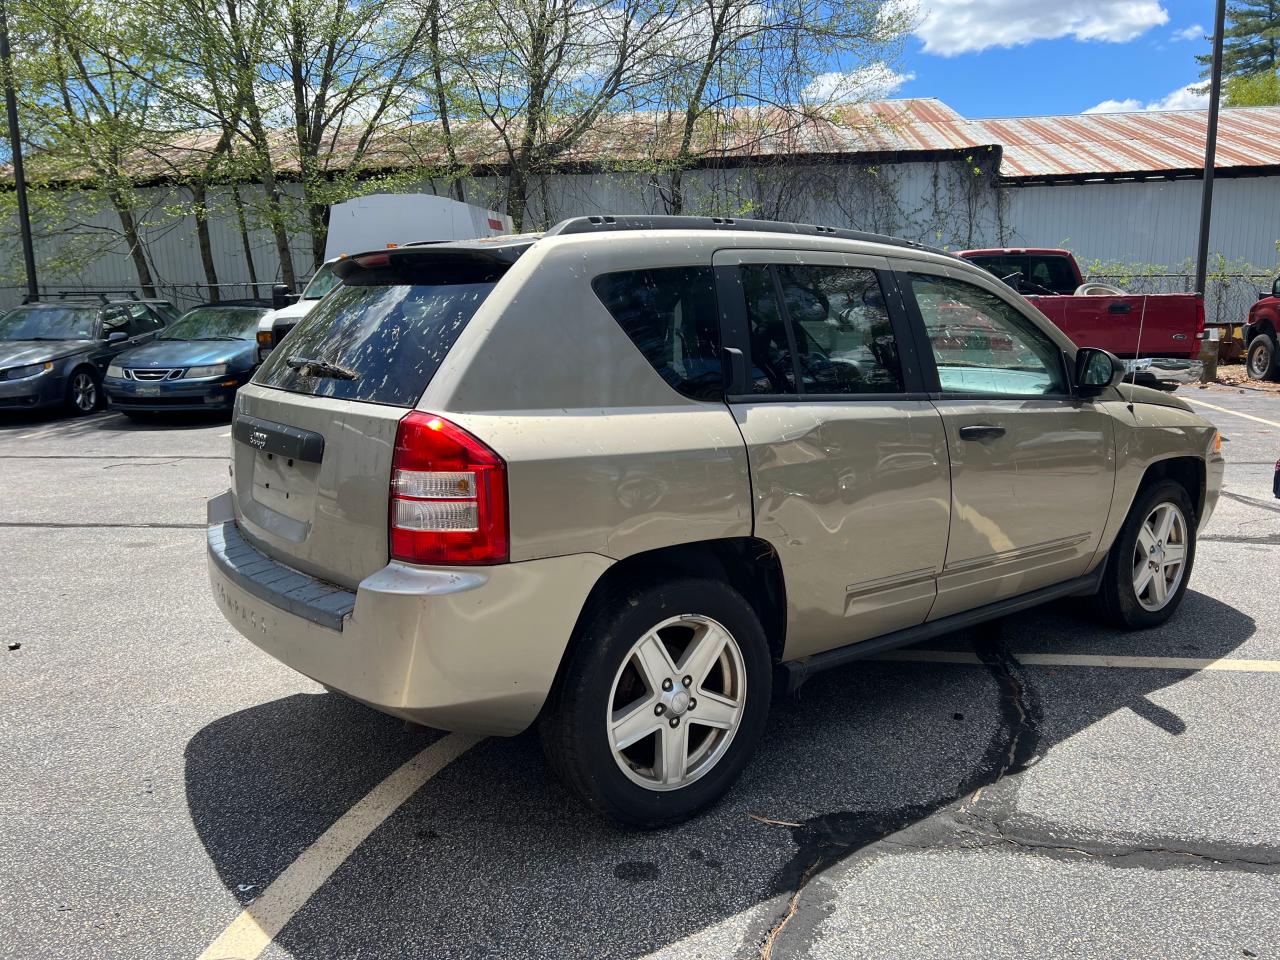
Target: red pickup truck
{"x": 1172, "y": 324}
{"x": 1260, "y": 337}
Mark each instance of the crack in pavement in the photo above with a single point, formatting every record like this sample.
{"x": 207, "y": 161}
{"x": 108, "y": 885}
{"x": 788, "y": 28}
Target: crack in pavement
{"x": 976, "y": 816}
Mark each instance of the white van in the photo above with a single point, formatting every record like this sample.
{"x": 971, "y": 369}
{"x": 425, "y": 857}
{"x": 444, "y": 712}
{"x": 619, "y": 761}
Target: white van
{"x": 374, "y": 222}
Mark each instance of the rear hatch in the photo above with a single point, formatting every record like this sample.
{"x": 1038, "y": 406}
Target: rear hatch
{"x": 314, "y": 433}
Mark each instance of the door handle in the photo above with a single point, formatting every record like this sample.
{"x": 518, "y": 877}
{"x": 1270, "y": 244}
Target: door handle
{"x": 1118, "y": 306}
{"x": 981, "y": 431}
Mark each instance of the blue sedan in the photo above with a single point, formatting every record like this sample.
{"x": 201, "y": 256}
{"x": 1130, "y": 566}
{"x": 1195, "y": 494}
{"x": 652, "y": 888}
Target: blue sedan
{"x": 197, "y": 363}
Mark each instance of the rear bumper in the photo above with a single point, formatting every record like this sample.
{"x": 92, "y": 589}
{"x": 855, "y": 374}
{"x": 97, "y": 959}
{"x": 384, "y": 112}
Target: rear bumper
{"x": 1167, "y": 369}
{"x": 464, "y": 648}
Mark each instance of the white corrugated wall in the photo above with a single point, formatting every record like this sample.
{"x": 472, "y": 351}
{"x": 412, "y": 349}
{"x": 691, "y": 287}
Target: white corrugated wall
{"x": 941, "y": 203}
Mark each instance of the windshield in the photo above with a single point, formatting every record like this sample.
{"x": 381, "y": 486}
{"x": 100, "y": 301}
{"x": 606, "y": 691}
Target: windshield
{"x": 218, "y": 323}
{"x": 48, "y": 323}
{"x": 321, "y": 283}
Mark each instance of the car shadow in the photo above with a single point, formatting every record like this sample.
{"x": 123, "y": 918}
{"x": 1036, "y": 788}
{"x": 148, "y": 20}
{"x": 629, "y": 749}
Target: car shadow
{"x": 494, "y": 858}
{"x": 108, "y": 421}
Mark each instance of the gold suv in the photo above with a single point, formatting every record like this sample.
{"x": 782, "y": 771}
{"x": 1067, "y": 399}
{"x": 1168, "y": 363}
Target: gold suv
{"x": 625, "y": 478}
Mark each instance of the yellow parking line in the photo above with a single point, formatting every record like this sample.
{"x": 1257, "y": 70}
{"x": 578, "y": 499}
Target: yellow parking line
{"x": 1089, "y": 660}
{"x": 1234, "y": 413}
{"x": 259, "y": 923}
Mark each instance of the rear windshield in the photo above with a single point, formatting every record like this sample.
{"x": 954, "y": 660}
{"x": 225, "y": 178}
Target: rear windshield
{"x": 1038, "y": 273}
{"x": 380, "y": 342}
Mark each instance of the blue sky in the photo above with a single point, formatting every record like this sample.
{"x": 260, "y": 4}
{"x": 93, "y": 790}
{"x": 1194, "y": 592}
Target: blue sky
{"x": 1121, "y": 54}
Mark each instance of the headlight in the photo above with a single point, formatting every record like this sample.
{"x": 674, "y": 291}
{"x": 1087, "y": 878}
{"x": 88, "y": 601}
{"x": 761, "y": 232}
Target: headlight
{"x": 30, "y": 370}
{"x": 115, "y": 370}
{"x": 213, "y": 370}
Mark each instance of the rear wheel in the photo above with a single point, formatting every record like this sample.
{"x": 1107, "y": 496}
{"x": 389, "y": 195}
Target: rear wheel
{"x": 1151, "y": 560}
{"x": 83, "y": 392}
{"x": 1261, "y": 360}
{"x": 663, "y": 701}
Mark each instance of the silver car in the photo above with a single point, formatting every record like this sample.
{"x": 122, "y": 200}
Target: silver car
{"x": 626, "y": 478}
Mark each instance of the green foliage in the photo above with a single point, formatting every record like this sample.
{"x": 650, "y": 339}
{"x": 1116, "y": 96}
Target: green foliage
{"x": 1251, "y": 40}
{"x": 1254, "y": 90}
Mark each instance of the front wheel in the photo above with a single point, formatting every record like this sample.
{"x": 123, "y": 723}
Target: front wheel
{"x": 1260, "y": 363}
{"x": 1150, "y": 562}
{"x": 83, "y": 393}
{"x": 663, "y": 701}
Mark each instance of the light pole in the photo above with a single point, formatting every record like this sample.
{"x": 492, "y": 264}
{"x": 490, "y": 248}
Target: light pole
{"x": 15, "y": 145}
{"x": 1210, "y": 147}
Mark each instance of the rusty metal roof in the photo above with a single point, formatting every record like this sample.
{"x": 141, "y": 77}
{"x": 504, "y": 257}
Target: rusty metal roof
{"x": 1104, "y": 144}
{"x": 1086, "y": 146}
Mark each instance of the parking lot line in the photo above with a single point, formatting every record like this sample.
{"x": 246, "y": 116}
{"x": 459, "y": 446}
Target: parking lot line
{"x": 1089, "y": 660}
{"x": 1234, "y": 413}
{"x": 259, "y": 923}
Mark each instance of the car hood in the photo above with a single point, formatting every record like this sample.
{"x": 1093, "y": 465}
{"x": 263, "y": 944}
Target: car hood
{"x": 187, "y": 353}
{"x": 17, "y": 353}
{"x": 1136, "y": 394}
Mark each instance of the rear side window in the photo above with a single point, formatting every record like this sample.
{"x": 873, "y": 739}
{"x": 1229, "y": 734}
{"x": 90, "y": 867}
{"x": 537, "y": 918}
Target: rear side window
{"x": 831, "y": 336}
{"x": 381, "y": 342}
{"x": 670, "y": 315}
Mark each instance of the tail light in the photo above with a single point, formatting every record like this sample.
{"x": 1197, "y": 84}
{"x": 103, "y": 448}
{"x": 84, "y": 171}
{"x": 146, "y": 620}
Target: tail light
{"x": 448, "y": 495}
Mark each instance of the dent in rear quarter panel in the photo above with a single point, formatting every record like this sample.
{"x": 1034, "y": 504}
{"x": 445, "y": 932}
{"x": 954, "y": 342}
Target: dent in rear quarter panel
{"x": 1145, "y": 434}
{"x": 602, "y": 455}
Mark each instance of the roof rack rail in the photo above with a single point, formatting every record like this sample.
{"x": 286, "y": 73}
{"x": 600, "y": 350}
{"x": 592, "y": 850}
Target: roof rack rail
{"x": 608, "y": 224}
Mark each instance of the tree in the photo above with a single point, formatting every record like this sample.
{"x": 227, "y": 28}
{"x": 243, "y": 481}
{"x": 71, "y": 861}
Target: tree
{"x": 1251, "y": 43}
{"x": 738, "y": 71}
{"x": 88, "y": 115}
{"x": 1258, "y": 90}
{"x": 536, "y": 76}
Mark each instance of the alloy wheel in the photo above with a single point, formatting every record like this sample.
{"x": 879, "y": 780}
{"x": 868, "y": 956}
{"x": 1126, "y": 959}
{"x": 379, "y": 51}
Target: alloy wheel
{"x": 676, "y": 702}
{"x": 84, "y": 392}
{"x": 1160, "y": 556}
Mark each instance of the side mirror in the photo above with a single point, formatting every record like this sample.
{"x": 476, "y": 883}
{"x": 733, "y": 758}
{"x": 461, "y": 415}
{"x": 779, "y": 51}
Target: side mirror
{"x": 115, "y": 336}
{"x": 281, "y": 297}
{"x": 1275, "y": 287}
{"x": 1096, "y": 370}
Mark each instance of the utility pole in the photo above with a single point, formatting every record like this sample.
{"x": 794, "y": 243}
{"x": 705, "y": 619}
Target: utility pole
{"x": 1210, "y": 147}
{"x": 15, "y": 146}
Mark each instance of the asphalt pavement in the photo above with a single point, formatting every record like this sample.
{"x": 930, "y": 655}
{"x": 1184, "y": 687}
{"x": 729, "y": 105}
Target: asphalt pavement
{"x": 161, "y": 773}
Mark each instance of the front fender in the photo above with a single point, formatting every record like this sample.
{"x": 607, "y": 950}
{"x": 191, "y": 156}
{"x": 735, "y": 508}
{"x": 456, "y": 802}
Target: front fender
{"x": 1148, "y": 433}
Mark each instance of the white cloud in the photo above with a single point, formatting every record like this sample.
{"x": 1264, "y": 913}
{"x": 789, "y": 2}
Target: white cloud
{"x": 1193, "y": 32}
{"x": 949, "y": 27}
{"x": 866, "y": 83}
{"x": 1184, "y": 98}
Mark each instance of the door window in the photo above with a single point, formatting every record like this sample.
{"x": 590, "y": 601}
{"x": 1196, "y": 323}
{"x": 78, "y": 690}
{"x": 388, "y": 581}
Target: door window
{"x": 670, "y": 315}
{"x": 115, "y": 320}
{"x": 832, "y": 334}
{"x": 982, "y": 344}
{"x": 142, "y": 320}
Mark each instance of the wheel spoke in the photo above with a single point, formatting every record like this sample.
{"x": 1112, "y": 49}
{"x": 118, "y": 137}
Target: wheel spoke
{"x": 714, "y": 710}
{"x": 1141, "y": 579}
{"x": 702, "y": 654}
{"x": 1174, "y": 553}
{"x": 1146, "y": 539}
{"x": 654, "y": 662}
{"x": 673, "y": 753}
{"x": 1159, "y": 588}
{"x": 632, "y": 724}
{"x": 1165, "y": 523}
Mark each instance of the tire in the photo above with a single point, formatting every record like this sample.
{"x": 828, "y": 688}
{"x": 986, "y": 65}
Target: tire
{"x": 659, "y": 625}
{"x": 1121, "y": 598}
{"x": 84, "y": 392}
{"x": 1260, "y": 361}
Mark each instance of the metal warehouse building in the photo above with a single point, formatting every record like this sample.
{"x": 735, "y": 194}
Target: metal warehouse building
{"x": 1114, "y": 188}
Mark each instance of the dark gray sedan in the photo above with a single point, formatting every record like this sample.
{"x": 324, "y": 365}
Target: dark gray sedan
{"x": 55, "y": 353}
